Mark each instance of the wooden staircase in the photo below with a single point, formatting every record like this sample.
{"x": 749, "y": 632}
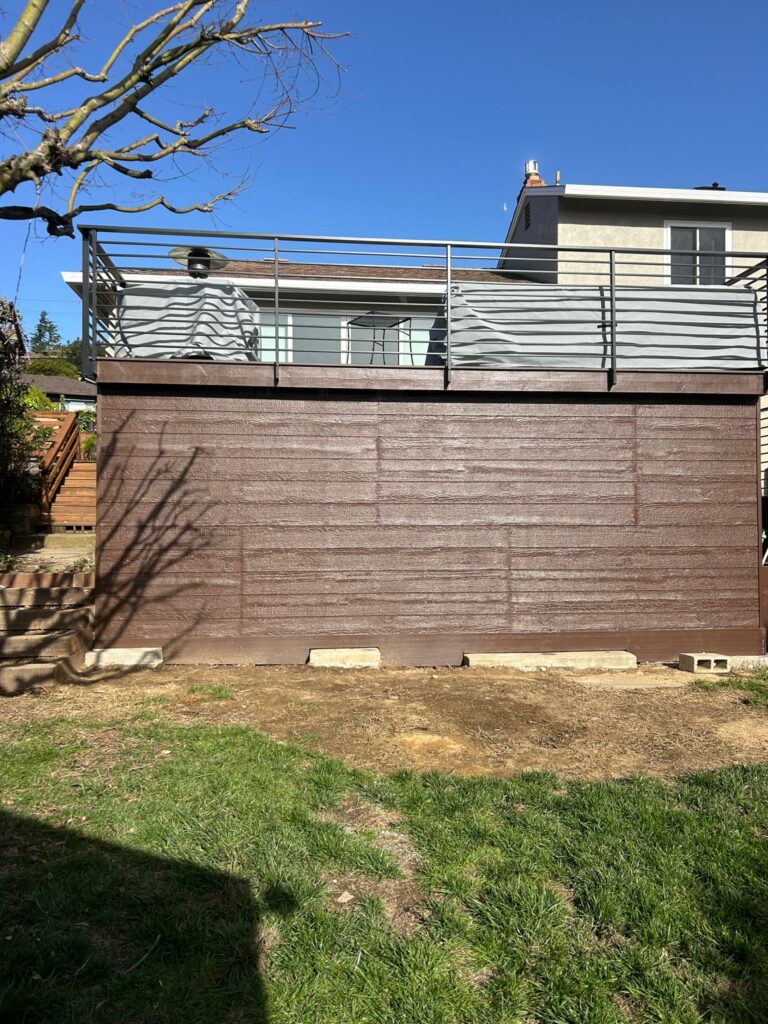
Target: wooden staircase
{"x": 68, "y": 485}
{"x": 75, "y": 502}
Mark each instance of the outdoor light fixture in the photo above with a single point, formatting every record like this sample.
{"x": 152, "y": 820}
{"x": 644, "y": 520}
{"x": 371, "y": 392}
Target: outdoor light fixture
{"x": 198, "y": 260}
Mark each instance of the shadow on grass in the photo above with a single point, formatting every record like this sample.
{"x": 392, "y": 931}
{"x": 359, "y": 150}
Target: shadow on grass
{"x": 95, "y": 932}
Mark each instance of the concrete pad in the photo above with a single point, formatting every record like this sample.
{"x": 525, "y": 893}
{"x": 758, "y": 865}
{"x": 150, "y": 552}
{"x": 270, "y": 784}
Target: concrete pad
{"x": 586, "y": 661}
{"x": 749, "y": 662}
{"x": 705, "y": 662}
{"x": 345, "y": 657}
{"x": 609, "y": 681}
{"x": 85, "y": 542}
{"x": 124, "y": 657}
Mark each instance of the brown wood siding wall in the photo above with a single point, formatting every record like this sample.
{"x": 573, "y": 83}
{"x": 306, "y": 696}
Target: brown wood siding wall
{"x": 251, "y": 525}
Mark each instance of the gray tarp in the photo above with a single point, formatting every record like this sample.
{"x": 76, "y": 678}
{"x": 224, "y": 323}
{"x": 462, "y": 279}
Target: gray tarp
{"x": 192, "y": 320}
{"x": 660, "y": 328}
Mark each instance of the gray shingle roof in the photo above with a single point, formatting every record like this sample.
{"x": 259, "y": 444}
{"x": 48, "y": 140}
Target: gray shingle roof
{"x": 54, "y": 386}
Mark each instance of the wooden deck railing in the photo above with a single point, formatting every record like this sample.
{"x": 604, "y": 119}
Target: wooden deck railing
{"x": 58, "y": 453}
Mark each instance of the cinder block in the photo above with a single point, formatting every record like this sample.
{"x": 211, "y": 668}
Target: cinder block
{"x": 345, "y": 657}
{"x": 124, "y": 657}
{"x": 579, "y": 661}
{"x": 705, "y": 662}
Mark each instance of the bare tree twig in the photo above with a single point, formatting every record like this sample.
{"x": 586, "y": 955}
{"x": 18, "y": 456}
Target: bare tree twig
{"x": 175, "y": 38}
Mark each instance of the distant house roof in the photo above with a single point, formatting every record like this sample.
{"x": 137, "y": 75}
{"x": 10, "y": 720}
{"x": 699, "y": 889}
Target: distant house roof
{"x": 336, "y": 276}
{"x": 633, "y": 194}
{"x": 704, "y": 194}
{"x": 54, "y": 386}
{"x": 358, "y": 271}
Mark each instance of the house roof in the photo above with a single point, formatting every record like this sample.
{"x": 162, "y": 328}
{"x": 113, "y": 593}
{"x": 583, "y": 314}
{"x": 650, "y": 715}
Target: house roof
{"x": 357, "y": 272}
{"x": 632, "y": 193}
{"x": 50, "y": 384}
{"x": 330, "y": 276}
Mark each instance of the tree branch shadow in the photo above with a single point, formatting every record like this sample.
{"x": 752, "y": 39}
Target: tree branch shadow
{"x": 157, "y": 529}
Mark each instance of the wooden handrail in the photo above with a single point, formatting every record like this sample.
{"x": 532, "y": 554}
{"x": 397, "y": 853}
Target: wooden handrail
{"x": 59, "y": 455}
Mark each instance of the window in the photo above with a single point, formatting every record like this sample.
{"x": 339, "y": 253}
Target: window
{"x": 527, "y": 215}
{"x": 698, "y": 253}
{"x": 331, "y": 339}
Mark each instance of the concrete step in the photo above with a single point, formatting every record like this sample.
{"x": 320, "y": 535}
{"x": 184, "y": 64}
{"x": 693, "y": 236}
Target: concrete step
{"x": 43, "y": 620}
{"x": 45, "y": 646}
{"x": 18, "y": 676}
{"x": 45, "y": 597}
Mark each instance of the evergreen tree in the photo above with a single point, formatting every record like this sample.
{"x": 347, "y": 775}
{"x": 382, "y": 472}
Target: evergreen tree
{"x": 19, "y": 437}
{"x": 46, "y": 337}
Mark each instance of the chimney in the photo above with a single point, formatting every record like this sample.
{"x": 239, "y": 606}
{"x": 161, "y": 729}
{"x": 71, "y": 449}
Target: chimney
{"x": 532, "y": 177}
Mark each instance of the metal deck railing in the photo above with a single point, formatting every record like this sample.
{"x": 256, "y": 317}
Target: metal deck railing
{"x": 323, "y": 300}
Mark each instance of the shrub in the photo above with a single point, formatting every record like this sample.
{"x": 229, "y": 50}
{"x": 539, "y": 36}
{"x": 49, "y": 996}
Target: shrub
{"x": 35, "y": 399}
{"x": 53, "y": 366}
{"x": 86, "y": 420}
{"x": 88, "y": 447}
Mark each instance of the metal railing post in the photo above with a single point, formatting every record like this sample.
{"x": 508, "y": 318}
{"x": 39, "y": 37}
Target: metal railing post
{"x": 277, "y": 314}
{"x": 447, "y": 315}
{"x": 613, "y": 369}
{"x": 85, "y": 341}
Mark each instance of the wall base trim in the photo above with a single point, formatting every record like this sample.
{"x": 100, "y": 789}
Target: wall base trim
{"x": 448, "y": 649}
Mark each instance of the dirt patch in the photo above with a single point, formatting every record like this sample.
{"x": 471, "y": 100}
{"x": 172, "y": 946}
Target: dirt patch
{"x": 356, "y": 815}
{"x": 466, "y": 721}
{"x": 401, "y": 897}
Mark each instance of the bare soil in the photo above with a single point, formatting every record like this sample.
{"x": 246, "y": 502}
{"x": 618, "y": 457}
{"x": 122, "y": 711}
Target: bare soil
{"x": 464, "y": 721}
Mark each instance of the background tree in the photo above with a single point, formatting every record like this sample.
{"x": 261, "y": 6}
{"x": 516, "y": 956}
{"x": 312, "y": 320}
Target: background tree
{"x": 116, "y": 128}
{"x": 19, "y": 439}
{"x": 46, "y": 337}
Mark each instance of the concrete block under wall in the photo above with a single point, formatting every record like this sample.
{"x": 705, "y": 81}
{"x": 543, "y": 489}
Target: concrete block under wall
{"x": 705, "y": 661}
{"x": 345, "y": 657}
{"x": 586, "y": 661}
{"x": 749, "y": 662}
{"x": 124, "y": 657}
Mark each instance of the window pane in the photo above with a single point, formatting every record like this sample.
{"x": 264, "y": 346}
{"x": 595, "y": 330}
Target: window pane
{"x": 316, "y": 339}
{"x": 415, "y": 337}
{"x": 267, "y": 336}
{"x": 682, "y": 267}
{"x": 712, "y": 268}
{"x": 373, "y": 346}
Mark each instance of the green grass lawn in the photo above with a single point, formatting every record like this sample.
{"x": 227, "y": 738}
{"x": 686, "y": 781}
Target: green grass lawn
{"x": 160, "y": 873}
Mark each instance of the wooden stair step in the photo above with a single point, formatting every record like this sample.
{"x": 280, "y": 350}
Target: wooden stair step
{"x": 18, "y": 676}
{"x": 43, "y": 620}
{"x": 45, "y": 597}
{"x": 45, "y": 646}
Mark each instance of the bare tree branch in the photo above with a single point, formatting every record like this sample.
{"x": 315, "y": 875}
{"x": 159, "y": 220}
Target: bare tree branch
{"x": 176, "y": 38}
{"x": 19, "y": 35}
{"x": 59, "y": 41}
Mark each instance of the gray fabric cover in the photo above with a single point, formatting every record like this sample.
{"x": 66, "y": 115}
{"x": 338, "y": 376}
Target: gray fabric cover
{"x": 562, "y": 326}
{"x": 198, "y": 319}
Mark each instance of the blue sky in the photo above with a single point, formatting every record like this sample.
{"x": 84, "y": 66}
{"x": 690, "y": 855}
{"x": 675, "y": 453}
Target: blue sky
{"x": 440, "y": 105}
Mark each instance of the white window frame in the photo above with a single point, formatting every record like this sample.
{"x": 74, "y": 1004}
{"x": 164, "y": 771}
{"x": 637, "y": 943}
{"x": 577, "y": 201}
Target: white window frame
{"x": 669, "y": 224}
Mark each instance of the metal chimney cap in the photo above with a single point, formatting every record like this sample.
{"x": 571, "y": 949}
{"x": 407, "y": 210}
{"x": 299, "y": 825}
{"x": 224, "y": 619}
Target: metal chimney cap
{"x": 531, "y": 168}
